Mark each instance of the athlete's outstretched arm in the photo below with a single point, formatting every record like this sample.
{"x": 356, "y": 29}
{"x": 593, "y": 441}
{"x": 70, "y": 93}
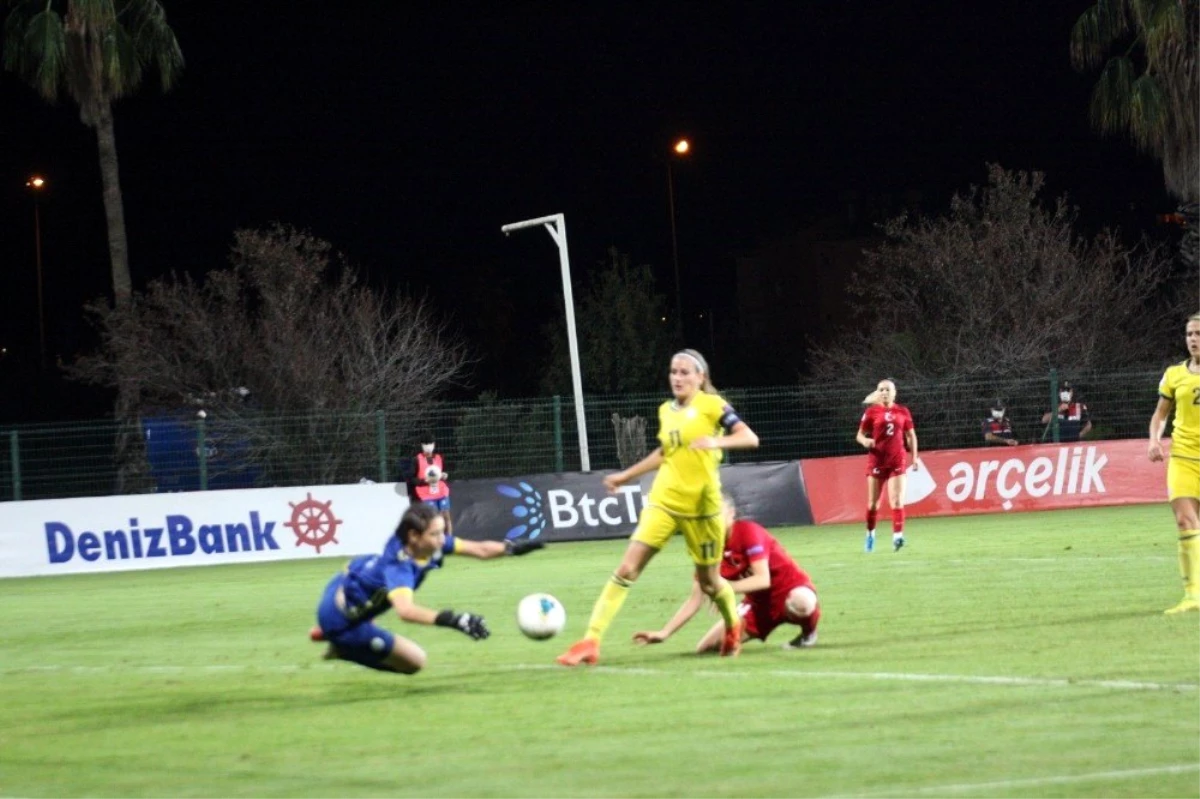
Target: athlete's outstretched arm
{"x": 645, "y": 465}
{"x": 486, "y": 550}
{"x": 470, "y": 624}
{"x": 682, "y": 616}
{"x": 759, "y": 579}
{"x": 408, "y": 610}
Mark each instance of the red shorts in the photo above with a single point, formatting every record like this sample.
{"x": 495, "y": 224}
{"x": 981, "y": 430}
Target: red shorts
{"x": 885, "y": 468}
{"x": 763, "y": 611}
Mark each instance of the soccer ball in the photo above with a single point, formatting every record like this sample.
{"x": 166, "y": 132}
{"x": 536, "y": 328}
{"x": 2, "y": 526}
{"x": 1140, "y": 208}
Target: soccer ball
{"x": 540, "y": 616}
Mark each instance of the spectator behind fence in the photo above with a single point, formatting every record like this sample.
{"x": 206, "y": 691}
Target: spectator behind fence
{"x": 997, "y": 429}
{"x": 1074, "y": 422}
{"x": 430, "y": 480}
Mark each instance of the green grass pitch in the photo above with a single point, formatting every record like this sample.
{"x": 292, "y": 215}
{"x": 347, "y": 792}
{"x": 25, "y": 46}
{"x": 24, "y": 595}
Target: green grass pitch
{"x": 1022, "y": 655}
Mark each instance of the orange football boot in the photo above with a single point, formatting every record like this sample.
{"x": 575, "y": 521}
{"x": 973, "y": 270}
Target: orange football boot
{"x": 731, "y": 644}
{"x": 586, "y": 651}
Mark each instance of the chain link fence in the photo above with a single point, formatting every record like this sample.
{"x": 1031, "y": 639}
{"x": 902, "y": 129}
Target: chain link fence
{"x": 493, "y": 437}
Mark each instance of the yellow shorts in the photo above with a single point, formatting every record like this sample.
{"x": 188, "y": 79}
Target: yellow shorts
{"x": 1183, "y": 478}
{"x": 705, "y": 537}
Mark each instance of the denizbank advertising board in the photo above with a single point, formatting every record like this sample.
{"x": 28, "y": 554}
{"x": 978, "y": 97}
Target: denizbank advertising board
{"x": 149, "y": 531}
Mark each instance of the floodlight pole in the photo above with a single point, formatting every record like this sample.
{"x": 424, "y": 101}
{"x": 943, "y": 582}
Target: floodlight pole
{"x": 556, "y": 226}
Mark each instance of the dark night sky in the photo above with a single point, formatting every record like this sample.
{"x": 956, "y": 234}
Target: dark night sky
{"x": 407, "y": 135}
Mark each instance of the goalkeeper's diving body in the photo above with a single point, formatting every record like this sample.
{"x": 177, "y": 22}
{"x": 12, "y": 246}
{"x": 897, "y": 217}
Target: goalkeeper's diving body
{"x": 370, "y": 584}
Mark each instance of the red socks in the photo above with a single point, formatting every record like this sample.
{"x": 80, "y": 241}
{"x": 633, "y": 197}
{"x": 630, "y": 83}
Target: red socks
{"x": 897, "y": 520}
{"x": 872, "y": 516}
{"x": 809, "y": 625}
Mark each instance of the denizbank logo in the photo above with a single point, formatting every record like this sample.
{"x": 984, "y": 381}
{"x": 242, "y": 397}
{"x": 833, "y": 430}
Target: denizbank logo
{"x": 177, "y": 535}
{"x": 533, "y": 510}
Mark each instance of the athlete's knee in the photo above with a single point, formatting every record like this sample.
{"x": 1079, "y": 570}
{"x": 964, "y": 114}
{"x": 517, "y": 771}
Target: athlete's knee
{"x": 406, "y": 658}
{"x": 637, "y": 556}
{"x": 1186, "y": 517}
{"x": 801, "y": 602}
{"x": 709, "y": 579}
{"x": 628, "y": 571}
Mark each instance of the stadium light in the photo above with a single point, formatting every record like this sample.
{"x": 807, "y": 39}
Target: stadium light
{"x": 681, "y": 148}
{"x": 36, "y": 184}
{"x": 556, "y": 226}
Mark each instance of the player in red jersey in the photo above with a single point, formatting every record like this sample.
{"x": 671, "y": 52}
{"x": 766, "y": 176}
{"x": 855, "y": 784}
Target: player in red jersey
{"x": 777, "y": 591}
{"x": 886, "y": 432}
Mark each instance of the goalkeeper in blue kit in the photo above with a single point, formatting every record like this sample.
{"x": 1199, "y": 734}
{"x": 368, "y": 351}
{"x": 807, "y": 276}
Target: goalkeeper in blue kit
{"x": 371, "y": 584}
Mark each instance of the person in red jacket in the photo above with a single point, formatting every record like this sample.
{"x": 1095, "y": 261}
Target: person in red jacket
{"x": 430, "y": 480}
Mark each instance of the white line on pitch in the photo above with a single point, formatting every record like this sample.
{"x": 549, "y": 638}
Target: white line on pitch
{"x": 1030, "y": 782}
{"x": 970, "y": 679}
{"x": 1036, "y": 682}
{"x": 211, "y": 668}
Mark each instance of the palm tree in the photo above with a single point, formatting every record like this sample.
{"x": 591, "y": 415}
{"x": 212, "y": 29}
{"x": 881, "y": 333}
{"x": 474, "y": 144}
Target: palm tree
{"x": 94, "y": 51}
{"x": 1148, "y": 85}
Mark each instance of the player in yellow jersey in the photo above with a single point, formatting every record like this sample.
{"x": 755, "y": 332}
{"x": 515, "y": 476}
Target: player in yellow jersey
{"x": 693, "y": 429}
{"x": 1180, "y": 388}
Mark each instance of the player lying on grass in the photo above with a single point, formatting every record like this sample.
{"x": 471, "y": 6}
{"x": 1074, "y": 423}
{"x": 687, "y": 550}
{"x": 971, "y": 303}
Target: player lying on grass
{"x": 777, "y": 591}
{"x": 371, "y": 584}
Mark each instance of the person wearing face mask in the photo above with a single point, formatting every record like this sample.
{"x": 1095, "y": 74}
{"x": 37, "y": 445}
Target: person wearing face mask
{"x": 997, "y": 429}
{"x": 1073, "y": 420}
{"x": 693, "y": 429}
{"x": 430, "y": 480}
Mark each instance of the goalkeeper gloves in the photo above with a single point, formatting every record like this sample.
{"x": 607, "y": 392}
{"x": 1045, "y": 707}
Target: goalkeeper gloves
{"x": 466, "y": 623}
{"x": 521, "y": 547}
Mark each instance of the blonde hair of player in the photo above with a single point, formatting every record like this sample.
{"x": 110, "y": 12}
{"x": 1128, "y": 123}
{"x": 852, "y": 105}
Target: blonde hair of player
{"x": 696, "y": 358}
{"x": 876, "y": 397}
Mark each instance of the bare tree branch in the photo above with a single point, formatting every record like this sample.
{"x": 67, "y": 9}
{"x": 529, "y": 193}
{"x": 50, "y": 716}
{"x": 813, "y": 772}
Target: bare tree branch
{"x": 319, "y": 353}
{"x": 1002, "y": 284}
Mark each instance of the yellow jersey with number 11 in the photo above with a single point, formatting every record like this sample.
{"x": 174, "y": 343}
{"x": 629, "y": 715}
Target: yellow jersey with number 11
{"x": 687, "y": 484}
{"x": 1183, "y": 388}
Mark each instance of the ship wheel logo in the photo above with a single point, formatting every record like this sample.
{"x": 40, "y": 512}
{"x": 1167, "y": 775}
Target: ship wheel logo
{"x": 313, "y": 523}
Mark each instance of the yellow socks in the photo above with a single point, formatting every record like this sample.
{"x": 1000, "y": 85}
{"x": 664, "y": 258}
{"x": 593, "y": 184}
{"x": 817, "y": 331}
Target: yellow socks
{"x": 726, "y": 602}
{"x": 607, "y": 606}
{"x": 1189, "y": 562}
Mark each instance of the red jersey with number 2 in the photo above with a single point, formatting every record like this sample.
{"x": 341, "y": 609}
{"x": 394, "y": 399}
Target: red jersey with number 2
{"x": 886, "y": 427}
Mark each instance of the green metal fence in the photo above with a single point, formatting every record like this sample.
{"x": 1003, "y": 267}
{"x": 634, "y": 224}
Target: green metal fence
{"x": 528, "y": 436}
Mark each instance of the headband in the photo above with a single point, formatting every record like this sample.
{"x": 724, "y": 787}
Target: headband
{"x": 695, "y": 358}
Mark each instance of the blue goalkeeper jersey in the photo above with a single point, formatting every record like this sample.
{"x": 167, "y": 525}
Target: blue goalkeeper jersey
{"x": 370, "y": 580}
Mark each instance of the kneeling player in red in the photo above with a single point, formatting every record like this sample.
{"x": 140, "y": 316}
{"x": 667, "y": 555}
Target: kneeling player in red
{"x": 777, "y": 591}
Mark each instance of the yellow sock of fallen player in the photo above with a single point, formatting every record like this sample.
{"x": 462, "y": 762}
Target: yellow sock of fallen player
{"x": 607, "y": 606}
